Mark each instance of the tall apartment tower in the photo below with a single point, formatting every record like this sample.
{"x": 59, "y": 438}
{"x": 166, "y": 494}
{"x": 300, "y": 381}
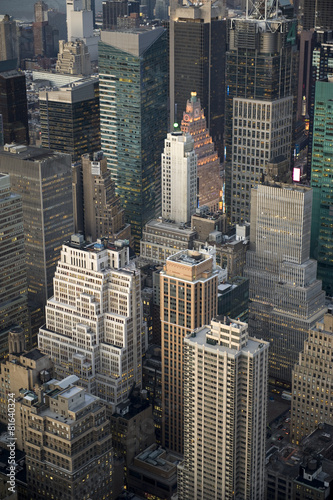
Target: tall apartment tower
{"x": 43, "y": 180}
{"x": 311, "y": 402}
{"x": 80, "y": 24}
{"x": 225, "y": 388}
{"x": 197, "y": 41}
{"x": 67, "y": 441}
{"x": 261, "y": 81}
{"x": 179, "y": 178}
{"x": 13, "y": 106}
{"x": 94, "y": 320}
{"x": 188, "y": 298}
{"x": 69, "y": 118}
{"x": 133, "y": 99}
{"x": 286, "y": 298}
{"x": 322, "y": 184}
{"x": 103, "y": 215}
{"x": 209, "y": 167}
{"x": 13, "y": 269}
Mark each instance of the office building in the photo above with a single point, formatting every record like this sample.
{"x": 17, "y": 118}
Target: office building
{"x": 312, "y": 382}
{"x": 321, "y": 183}
{"x": 233, "y": 298}
{"x": 9, "y": 40}
{"x": 115, "y": 9}
{"x": 261, "y": 81}
{"x": 67, "y": 440}
{"x": 152, "y": 383}
{"x": 13, "y": 270}
{"x": 46, "y": 37}
{"x": 188, "y": 298}
{"x": 197, "y": 41}
{"x": 80, "y": 24}
{"x": 43, "y": 180}
{"x": 133, "y": 99}
{"x": 209, "y": 167}
{"x": 225, "y": 387}
{"x": 286, "y": 298}
{"x": 69, "y": 118}
{"x": 179, "y": 178}
{"x": 316, "y": 13}
{"x": 103, "y": 215}
{"x": 73, "y": 58}
{"x": 13, "y": 105}
{"x": 94, "y": 320}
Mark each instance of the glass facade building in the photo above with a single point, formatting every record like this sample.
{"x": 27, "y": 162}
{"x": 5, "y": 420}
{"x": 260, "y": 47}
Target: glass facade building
{"x": 133, "y": 69}
{"x": 322, "y": 184}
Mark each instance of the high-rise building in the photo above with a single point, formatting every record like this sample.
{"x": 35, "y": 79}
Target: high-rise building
{"x": 188, "y": 299}
{"x": 80, "y": 24}
{"x": 316, "y": 13}
{"x": 197, "y": 35}
{"x": 9, "y": 40}
{"x": 133, "y": 100}
{"x": 209, "y": 167}
{"x": 46, "y": 37}
{"x": 261, "y": 81}
{"x": 73, "y": 58}
{"x": 322, "y": 184}
{"x": 13, "y": 106}
{"x": 113, "y": 9}
{"x": 94, "y": 320}
{"x": 43, "y": 180}
{"x": 286, "y": 298}
{"x": 103, "y": 215}
{"x": 67, "y": 440}
{"x": 312, "y": 382}
{"x": 225, "y": 387}
{"x": 179, "y": 178}
{"x": 13, "y": 269}
{"x": 69, "y": 118}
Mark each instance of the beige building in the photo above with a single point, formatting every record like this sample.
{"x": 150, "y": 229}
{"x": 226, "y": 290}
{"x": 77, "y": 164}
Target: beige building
{"x": 103, "y": 215}
{"x": 73, "y": 58}
{"x": 312, "y": 382}
{"x": 188, "y": 300}
{"x": 225, "y": 392}
{"x": 67, "y": 441}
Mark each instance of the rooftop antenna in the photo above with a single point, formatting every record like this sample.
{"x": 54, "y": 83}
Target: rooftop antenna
{"x": 261, "y": 9}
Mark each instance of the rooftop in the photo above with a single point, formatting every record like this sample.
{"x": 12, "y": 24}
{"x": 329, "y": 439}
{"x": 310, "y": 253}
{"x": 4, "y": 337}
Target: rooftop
{"x": 34, "y": 354}
{"x": 170, "y": 226}
{"x": 189, "y": 257}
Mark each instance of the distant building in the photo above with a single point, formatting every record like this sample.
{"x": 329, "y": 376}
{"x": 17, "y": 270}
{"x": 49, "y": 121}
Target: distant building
{"x": 225, "y": 387}
{"x": 286, "y": 299}
{"x": 316, "y": 14}
{"x": 95, "y": 316}
{"x": 115, "y": 10}
{"x": 73, "y": 58}
{"x": 67, "y": 442}
{"x": 9, "y": 40}
{"x": 13, "y": 106}
{"x": 69, "y": 118}
{"x": 188, "y": 298}
{"x": 43, "y": 180}
{"x": 179, "y": 178}
{"x": 209, "y": 165}
{"x": 13, "y": 270}
{"x": 80, "y": 24}
{"x": 312, "y": 384}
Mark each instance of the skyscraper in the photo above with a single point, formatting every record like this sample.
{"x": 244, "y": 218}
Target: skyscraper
{"x": 197, "y": 38}
{"x": 69, "y": 118}
{"x": 133, "y": 100}
{"x": 261, "y": 82}
{"x": 43, "y": 179}
{"x": 13, "y": 270}
{"x": 73, "y": 58}
{"x": 322, "y": 184}
{"x": 209, "y": 167}
{"x": 286, "y": 298}
{"x": 225, "y": 387}
{"x": 179, "y": 178}
{"x": 188, "y": 298}
{"x": 103, "y": 215}
{"x": 312, "y": 382}
{"x": 9, "y": 40}
{"x": 13, "y": 106}
{"x": 316, "y": 13}
{"x": 80, "y": 24}
{"x": 94, "y": 320}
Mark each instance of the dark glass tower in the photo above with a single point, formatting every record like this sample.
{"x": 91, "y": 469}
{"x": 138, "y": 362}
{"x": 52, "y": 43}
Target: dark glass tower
{"x": 261, "y": 86}
{"x": 316, "y": 13}
{"x": 70, "y": 118}
{"x": 133, "y": 100}
{"x": 322, "y": 184}
{"x": 197, "y": 60}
